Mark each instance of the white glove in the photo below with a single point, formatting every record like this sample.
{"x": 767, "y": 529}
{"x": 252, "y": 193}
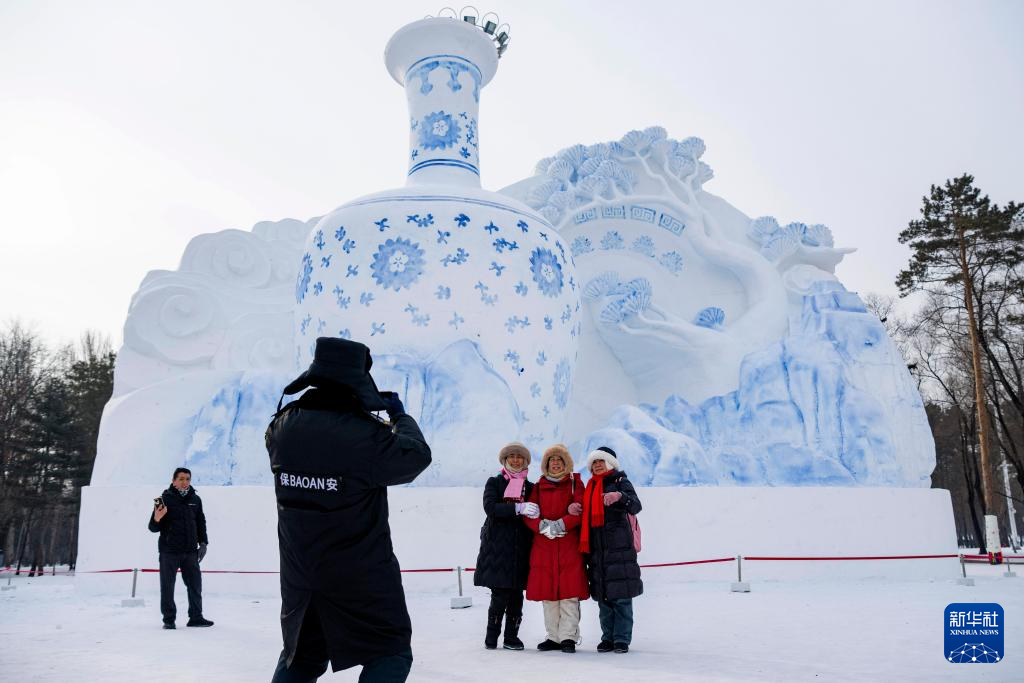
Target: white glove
{"x": 531, "y": 510}
{"x": 552, "y": 529}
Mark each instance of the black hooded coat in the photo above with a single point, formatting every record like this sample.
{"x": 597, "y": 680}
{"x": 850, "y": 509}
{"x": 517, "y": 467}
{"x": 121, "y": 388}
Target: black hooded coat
{"x": 505, "y": 542}
{"x": 612, "y": 567}
{"x": 332, "y": 464}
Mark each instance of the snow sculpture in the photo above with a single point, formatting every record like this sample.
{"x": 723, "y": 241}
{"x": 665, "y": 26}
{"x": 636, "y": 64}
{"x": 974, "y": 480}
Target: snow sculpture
{"x": 206, "y": 350}
{"x": 716, "y": 349}
{"x": 712, "y": 349}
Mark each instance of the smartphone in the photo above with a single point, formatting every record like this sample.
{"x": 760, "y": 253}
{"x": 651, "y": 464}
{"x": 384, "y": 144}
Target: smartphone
{"x": 158, "y": 502}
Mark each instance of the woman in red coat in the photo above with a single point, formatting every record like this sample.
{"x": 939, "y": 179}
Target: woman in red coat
{"x": 557, "y": 576}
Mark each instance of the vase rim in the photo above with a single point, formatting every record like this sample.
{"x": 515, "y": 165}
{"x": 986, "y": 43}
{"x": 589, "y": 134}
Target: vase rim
{"x": 440, "y": 37}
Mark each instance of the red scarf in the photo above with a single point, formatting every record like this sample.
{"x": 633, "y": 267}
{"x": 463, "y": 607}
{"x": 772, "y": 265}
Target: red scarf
{"x": 593, "y": 508}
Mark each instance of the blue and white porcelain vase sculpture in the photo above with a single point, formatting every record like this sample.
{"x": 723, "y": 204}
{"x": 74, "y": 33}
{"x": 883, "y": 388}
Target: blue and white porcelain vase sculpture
{"x": 467, "y": 298}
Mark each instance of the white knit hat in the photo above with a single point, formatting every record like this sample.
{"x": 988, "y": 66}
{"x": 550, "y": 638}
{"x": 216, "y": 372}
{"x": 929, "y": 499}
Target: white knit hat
{"x": 606, "y": 454}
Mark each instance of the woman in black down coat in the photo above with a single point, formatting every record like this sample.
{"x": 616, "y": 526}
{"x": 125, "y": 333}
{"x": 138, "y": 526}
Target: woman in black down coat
{"x": 504, "y": 560}
{"x": 606, "y": 539}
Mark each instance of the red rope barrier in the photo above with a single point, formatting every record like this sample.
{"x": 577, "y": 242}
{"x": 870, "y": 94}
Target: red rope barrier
{"x": 868, "y": 557}
{"x": 762, "y": 558}
{"x": 680, "y": 564}
{"x": 149, "y": 570}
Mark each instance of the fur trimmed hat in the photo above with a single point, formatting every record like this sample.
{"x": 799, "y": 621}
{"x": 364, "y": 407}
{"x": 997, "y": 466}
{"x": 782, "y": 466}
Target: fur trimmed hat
{"x": 603, "y": 453}
{"x": 514, "y": 447}
{"x": 560, "y": 451}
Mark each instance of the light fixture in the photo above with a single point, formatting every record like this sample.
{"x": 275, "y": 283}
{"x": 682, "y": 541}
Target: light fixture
{"x": 488, "y": 23}
{"x": 490, "y": 26}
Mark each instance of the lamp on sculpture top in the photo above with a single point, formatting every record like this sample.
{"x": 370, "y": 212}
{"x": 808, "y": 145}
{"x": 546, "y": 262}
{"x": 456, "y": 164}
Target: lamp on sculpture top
{"x": 468, "y": 298}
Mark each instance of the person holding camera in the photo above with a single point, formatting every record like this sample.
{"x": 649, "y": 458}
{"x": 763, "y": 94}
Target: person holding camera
{"x": 178, "y": 517}
{"x": 342, "y": 602}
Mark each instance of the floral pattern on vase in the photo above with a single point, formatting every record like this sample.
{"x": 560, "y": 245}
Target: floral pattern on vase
{"x": 438, "y": 131}
{"x": 397, "y": 264}
{"x": 547, "y": 273}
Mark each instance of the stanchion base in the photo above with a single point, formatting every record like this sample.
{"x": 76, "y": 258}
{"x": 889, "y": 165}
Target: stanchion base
{"x": 462, "y": 602}
{"x": 1010, "y": 574}
{"x": 7, "y": 588}
{"x": 133, "y": 602}
{"x": 965, "y": 582}
{"x": 740, "y": 587}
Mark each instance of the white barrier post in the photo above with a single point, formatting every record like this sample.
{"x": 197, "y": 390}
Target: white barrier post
{"x": 739, "y": 585}
{"x": 963, "y": 580}
{"x": 134, "y": 601}
{"x": 461, "y": 602}
{"x": 8, "y": 587}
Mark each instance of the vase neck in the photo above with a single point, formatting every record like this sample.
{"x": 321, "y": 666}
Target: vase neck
{"x": 443, "y": 92}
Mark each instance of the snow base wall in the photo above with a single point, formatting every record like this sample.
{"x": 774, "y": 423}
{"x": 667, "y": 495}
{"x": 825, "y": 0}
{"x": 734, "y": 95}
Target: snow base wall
{"x": 439, "y": 527}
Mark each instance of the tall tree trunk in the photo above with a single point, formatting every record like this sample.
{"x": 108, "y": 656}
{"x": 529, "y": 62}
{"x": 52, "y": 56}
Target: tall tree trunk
{"x": 979, "y": 378}
{"x": 969, "y": 488}
{"x": 26, "y": 525}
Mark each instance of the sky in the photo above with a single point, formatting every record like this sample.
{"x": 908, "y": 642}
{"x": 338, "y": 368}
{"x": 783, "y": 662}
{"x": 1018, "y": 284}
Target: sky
{"x": 127, "y": 128}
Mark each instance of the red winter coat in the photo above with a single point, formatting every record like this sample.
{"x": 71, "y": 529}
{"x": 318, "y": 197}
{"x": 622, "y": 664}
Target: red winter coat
{"x": 556, "y": 566}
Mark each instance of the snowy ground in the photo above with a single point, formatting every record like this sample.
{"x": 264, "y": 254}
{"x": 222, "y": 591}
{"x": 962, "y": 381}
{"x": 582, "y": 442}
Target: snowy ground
{"x": 689, "y": 627}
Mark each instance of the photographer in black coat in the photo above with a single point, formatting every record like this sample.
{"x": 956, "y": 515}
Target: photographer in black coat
{"x": 178, "y": 517}
{"x": 341, "y": 592}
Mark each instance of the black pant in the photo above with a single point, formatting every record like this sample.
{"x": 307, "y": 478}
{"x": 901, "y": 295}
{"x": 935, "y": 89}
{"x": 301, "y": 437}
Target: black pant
{"x": 506, "y": 601}
{"x": 311, "y": 659}
{"x": 188, "y": 563}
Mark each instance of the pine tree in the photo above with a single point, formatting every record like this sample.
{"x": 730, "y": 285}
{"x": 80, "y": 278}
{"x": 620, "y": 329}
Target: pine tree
{"x": 960, "y": 237}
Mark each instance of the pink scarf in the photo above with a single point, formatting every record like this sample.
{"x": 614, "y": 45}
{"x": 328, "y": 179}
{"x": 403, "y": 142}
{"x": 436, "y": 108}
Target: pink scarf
{"x": 514, "y": 490}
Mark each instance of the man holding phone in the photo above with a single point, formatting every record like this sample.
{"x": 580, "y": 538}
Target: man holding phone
{"x": 178, "y": 517}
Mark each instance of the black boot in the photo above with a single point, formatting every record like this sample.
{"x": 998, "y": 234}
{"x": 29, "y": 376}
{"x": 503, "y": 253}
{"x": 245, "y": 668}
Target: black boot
{"x": 493, "y": 629}
{"x": 568, "y": 646}
{"x": 549, "y": 646}
{"x": 511, "y": 641}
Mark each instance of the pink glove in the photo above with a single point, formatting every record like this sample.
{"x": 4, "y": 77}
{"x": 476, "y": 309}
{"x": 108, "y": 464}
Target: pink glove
{"x": 576, "y": 509}
{"x": 611, "y": 498}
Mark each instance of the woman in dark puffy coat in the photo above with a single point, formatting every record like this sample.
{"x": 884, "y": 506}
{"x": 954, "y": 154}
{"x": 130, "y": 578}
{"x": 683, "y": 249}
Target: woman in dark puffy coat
{"x": 557, "y": 576}
{"x": 504, "y": 560}
{"x": 606, "y": 539}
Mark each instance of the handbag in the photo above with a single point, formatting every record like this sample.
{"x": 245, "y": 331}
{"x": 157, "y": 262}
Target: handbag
{"x": 634, "y": 526}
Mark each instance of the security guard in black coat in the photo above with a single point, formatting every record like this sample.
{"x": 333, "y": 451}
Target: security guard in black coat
{"x": 341, "y": 592}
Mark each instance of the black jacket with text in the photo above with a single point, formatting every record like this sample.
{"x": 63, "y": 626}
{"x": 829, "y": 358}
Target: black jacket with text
{"x": 332, "y": 463}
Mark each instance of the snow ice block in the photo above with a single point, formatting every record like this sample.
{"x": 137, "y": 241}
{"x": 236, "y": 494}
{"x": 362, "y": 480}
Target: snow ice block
{"x": 462, "y": 601}
{"x": 740, "y": 587}
{"x": 133, "y": 602}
